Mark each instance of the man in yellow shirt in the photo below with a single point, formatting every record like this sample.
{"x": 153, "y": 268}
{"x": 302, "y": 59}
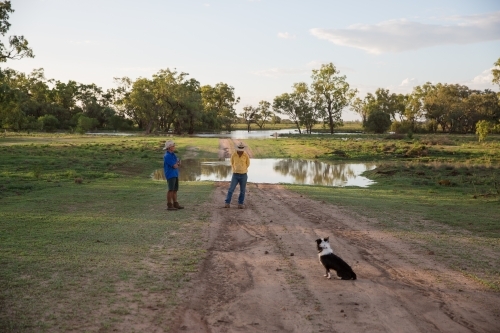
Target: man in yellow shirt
{"x": 240, "y": 161}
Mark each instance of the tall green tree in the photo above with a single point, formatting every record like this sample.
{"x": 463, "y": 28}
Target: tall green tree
{"x": 169, "y": 100}
{"x": 263, "y": 114}
{"x": 359, "y": 106}
{"x": 300, "y": 106}
{"x": 142, "y": 102}
{"x": 64, "y": 98}
{"x": 285, "y": 104}
{"x": 249, "y": 114}
{"x": 17, "y": 46}
{"x": 392, "y": 104}
{"x": 191, "y": 106}
{"x": 445, "y": 106}
{"x": 122, "y": 101}
{"x": 309, "y": 112}
{"x": 332, "y": 94}
{"x": 95, "y": 103}
{"x": 219, "y": 103}
{"x": 414, "y": 111}
{"x": 11, "y": 113}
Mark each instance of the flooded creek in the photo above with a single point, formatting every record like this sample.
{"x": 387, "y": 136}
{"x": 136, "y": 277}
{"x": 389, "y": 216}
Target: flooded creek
{"x": 276, "y": 171}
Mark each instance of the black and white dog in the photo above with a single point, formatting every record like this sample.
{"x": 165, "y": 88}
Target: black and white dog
{"x": 331, "y": 261}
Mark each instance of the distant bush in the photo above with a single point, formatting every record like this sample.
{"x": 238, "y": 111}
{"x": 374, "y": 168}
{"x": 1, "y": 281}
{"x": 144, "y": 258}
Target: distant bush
{"x": 48, "y": 123}
{"x": 378, "y": 122}
{"x": 86, "y": 124}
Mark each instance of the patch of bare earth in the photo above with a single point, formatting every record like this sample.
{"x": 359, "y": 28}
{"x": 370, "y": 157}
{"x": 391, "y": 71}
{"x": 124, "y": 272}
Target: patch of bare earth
{"x": 262, "y": 274}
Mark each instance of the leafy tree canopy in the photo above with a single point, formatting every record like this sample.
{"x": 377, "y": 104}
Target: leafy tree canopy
{"x": 17, "y": 46}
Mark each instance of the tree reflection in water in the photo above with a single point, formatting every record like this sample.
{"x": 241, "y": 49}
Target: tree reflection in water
{"x": 314, "y": 172}
{"x": 273, "y": 171}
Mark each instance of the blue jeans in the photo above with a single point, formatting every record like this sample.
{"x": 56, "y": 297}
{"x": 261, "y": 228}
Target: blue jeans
{"x": 237, "y": 178}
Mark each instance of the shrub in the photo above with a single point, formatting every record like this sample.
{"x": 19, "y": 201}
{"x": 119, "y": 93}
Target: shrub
{"x": 483, "y": 128}
{"x": 378, "y": 122}
{"x": 48, "y": 123}
{"x": 86, "y": 124}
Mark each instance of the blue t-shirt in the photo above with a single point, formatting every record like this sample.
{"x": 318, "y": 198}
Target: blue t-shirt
{"x": 169, "y": 160}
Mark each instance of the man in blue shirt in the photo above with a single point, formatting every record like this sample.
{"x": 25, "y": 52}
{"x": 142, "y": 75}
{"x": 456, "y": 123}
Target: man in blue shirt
{"x": 171, "y": 169}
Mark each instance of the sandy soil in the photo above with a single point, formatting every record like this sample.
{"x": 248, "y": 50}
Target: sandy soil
{"x": 262, "y": 274}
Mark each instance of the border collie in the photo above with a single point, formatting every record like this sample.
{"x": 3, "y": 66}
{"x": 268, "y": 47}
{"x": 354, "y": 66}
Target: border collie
{"x": 331, "y": 261}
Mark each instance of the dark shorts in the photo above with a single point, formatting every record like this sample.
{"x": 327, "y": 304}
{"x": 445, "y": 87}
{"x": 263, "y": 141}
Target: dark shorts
{"x": 173, "y": 184}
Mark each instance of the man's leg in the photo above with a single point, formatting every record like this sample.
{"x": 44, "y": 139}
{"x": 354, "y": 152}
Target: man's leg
{"x": 176, "y": 204}
{"x": 243, "y": 186}
{"x": 170, "y": 194}
{"x": 170, "y": 200}
{"x": 232, "y": 186}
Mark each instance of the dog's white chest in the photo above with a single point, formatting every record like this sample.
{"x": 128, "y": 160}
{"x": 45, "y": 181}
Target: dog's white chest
{"x": 324, "y": 253}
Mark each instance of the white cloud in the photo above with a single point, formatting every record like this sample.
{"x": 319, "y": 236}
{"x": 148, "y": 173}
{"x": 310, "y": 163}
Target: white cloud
{"x": 409, "y": 82}
{"x": 485, "y": 77}
{"x": 403, "y": 35}
{"x": 482, "y": 81}
{"x": 285, "y": 35}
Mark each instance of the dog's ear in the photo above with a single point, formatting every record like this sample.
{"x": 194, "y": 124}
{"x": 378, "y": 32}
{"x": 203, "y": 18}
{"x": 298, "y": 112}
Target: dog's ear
{"x": 318, "y": 241}
{"x": 326, "y": 239}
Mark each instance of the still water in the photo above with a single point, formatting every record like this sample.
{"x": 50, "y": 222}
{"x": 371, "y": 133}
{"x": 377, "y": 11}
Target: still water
{"x": 275, "y": 171}
{"x": 261, "y": 134}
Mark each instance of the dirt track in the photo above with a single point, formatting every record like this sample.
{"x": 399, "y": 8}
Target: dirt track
{"x": 262, "y": 275}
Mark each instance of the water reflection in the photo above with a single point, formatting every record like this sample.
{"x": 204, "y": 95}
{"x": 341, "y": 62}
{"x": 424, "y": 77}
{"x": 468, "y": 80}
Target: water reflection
{"x": 264, "y": 134}
{"x": 274, "y": 171}
{"x": 240, "y": 134}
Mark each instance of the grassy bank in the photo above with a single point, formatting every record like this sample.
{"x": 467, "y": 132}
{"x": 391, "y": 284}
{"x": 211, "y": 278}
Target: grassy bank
{"x": 85, "y": 240}
{"x": 85, "y": 237}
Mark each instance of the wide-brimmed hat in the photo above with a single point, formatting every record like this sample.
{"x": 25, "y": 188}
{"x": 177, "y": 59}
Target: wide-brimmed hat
{"x": 168, "y": 144}
{"x": 240, "y": 147}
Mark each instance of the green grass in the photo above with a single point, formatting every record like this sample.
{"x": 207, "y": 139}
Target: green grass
{"x": 70, "y": 249}
{"x": 77, "y": 243}
{"x": 85, "y": 238}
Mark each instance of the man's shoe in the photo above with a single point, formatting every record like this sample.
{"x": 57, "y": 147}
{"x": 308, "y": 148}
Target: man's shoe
{"x": 170, "y": 206}
{"x": 241, "y": 206}
{"x": 176, "y": 205}
{"x": 226, "y": 205}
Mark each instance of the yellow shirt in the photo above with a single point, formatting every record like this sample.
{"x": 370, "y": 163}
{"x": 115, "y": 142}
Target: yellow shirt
{"x": 240, "y": 164}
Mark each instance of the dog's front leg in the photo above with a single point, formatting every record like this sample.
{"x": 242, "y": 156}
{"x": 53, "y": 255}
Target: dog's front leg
{"x": 328, "y": 274}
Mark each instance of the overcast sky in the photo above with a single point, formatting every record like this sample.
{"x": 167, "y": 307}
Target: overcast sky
{"x": 263, "y": 47}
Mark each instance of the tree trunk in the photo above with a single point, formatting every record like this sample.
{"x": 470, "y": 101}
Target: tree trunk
{"x": 298, "y": 127}
{"x": 330, "y": 120}
{"x": 191, "y": 125}
{"x": 149, "y": 127}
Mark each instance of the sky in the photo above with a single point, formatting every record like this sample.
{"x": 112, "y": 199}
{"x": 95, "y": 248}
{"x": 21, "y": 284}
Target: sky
{"x": 262, "y": 47}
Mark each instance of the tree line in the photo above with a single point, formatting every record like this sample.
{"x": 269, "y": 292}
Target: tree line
{"x": 172, "y": 101}
{"x": 431, "y": 108}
